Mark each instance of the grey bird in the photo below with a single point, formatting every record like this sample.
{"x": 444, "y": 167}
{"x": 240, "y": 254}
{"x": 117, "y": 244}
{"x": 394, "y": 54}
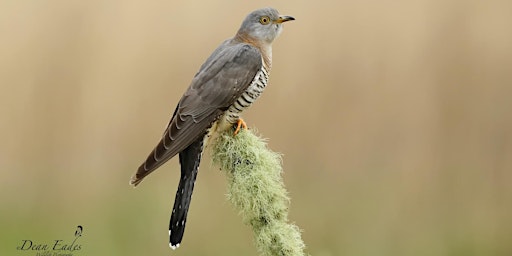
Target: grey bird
{"x": 230, "y": 80}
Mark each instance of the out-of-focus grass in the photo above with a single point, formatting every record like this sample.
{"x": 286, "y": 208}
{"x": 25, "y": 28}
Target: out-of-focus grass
{"x": 393, "y": 119}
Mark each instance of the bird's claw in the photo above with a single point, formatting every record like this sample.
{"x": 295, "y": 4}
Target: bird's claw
{"x": 239, "y": 125}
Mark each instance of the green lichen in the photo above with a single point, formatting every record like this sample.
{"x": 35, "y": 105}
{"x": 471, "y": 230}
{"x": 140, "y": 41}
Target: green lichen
{"x": 256, "y": 189}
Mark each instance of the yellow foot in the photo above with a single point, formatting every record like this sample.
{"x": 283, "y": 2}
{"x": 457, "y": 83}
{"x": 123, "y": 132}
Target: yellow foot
{"x": 240, "y": 124}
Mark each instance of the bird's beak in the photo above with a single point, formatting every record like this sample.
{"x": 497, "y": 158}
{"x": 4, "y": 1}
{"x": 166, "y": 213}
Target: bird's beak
{"x": 282, "y": 19}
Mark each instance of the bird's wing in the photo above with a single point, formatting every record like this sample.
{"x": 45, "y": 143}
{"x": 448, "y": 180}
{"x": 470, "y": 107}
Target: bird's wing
{"x": 221, "y": 80}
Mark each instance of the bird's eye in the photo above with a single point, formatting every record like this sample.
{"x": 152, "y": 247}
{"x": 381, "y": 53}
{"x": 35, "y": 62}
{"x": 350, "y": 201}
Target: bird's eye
{"x": 265, "y": 20}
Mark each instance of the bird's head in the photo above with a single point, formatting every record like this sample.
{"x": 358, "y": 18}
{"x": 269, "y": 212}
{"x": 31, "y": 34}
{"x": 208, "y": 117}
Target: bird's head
{"x": 263, "y": 25}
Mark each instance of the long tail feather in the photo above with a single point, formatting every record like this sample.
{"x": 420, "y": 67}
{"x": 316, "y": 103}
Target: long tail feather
{"x": 189, "y": 160}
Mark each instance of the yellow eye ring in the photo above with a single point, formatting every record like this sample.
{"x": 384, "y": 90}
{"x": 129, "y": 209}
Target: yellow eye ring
{"x": 264, "y": 20}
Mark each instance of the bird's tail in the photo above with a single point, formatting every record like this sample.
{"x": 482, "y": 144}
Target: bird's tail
{"x": 189, "y": 160}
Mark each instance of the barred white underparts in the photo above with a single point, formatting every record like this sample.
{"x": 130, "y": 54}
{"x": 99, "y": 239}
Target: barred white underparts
{"x": 249, "y": 96}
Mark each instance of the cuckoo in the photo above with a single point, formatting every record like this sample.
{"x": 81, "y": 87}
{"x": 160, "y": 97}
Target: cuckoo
{"x": 230, "y": 80}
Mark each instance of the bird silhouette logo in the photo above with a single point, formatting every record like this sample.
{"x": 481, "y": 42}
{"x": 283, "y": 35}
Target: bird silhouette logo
{"x": 78, "y": 231}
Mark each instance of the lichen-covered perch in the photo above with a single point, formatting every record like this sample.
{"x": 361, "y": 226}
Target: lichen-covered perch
{"x": 256, "y": 189}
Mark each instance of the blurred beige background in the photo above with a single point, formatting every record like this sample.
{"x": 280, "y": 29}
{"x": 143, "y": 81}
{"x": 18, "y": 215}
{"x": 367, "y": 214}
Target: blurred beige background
{"x": 394, "y": 119}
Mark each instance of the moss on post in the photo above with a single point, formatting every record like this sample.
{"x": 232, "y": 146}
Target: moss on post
{"x": 256, "y": 189}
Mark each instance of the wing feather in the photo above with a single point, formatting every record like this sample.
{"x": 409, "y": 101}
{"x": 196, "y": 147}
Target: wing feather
{"x": 223, "y": 78}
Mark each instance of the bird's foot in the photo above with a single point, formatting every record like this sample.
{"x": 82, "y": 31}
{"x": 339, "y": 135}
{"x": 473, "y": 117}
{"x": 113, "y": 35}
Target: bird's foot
{"x": 239, "y": 124}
